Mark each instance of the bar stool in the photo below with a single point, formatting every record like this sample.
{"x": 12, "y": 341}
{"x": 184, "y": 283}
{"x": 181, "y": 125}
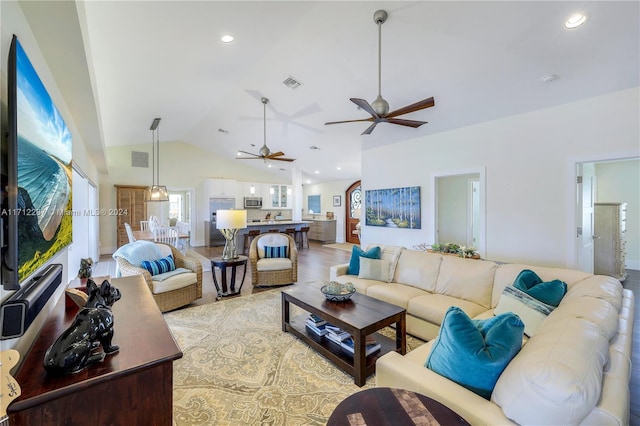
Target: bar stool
{"x": 291, "y": 232}
{"x": 248, "y": 237}
{"x": 301, "y": 235}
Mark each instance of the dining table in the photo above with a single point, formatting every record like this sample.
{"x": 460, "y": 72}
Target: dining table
{"x": 147, "y": 235}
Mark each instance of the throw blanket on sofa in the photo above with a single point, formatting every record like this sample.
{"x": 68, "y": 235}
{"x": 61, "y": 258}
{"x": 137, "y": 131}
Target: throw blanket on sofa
{"x": 136, "y": 252}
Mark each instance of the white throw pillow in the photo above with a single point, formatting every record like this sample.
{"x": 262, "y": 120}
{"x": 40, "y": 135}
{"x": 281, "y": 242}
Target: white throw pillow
{"x": 531, "y": 311}
{"x": 374, "y": 269}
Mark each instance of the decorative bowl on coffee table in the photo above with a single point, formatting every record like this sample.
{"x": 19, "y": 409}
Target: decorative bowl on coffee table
{"x": 338, "y": 292}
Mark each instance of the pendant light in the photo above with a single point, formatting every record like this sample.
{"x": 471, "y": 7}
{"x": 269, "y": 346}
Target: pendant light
{"x": 156, "y": 192}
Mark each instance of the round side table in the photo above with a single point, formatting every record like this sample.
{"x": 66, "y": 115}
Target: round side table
{"x": 223, "y": 264}
{"x": 388, "y": 406}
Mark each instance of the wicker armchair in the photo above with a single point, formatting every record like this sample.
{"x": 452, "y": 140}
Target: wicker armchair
{"x": 273, "y": 271}
{"x": 178, "y": 297}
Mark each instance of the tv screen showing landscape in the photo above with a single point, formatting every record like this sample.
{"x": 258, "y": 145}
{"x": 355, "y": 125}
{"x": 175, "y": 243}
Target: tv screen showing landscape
{"x": 44, "y": 170}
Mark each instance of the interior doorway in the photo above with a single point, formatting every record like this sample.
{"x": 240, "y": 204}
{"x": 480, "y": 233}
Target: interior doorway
{"x": 459, "y": 215}
{"x": 353, "y": 213}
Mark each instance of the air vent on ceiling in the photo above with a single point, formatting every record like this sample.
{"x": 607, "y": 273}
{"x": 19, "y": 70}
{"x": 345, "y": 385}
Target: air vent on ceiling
{"x": 292, "y": 83}
{"x": 139, "y": 159}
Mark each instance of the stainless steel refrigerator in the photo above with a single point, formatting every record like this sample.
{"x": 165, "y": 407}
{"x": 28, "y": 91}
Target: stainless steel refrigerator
{"x": 215, "y": 236}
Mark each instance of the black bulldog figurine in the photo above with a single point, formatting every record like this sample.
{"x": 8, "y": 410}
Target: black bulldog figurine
{"x": 73, "y": 349}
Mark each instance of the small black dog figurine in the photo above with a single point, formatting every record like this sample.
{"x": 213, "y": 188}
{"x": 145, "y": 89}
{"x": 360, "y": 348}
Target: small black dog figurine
{"x": 85, "y": 268}
{"x": 73, "y": 349}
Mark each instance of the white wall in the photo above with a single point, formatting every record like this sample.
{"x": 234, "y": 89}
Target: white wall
{"x": 182, "y": 167}
{"x": 327, "y": 191}
{"x": 530, "y": 170}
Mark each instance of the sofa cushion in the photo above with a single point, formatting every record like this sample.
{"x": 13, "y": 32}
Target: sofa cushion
{"x": 374, "y": 269}
{"x": 473, "y": 353}
{"x": 530, "y": 310}
{"x": 160, "y": 266}
{"x": 356, "y": 253}
{"x": 432, "y": 307}
{"x": 396, "y": 294}
{"x": 597, "y": 311}
{"x": 466, "y": 279}
{"x": 549, "y": 292}
{"x": 279, "y": 251}
{"x": 418, "y": 269}
{"x": 361, "y": 284}
{"x": 605, "y": 288}
{"x": 557, "y": 376}
{"x": 392, "y": 254}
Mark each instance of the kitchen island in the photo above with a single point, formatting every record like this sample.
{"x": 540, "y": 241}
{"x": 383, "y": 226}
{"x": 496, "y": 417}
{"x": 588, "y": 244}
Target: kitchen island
{"x": 265, "y": 226}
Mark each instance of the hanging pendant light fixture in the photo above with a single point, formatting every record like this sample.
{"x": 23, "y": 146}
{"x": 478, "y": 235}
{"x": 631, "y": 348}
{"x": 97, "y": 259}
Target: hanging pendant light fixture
{"x": 156, "y": 192}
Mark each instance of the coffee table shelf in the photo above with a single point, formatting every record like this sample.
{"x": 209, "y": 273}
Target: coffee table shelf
{"x": 360, "y": 316}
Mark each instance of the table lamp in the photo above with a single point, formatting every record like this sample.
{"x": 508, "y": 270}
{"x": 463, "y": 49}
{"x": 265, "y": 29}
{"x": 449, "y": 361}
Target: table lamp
{"x": 229, "y": 222}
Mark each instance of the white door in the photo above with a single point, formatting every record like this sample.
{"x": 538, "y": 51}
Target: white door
{"x": 585, "y": 197}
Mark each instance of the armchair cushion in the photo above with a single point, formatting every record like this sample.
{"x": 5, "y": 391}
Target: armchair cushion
{"x": 173, "y": 282}
{"x": 271, "y": 252}
{"x": 160, "y": 266}
{"x": 274, "y": 264}
{"x": 271, "y": 240}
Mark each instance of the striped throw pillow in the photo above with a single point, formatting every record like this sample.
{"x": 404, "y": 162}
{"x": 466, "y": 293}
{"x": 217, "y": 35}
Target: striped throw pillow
{"x": 160, "y": 266}
{"x": 271, "y": 252}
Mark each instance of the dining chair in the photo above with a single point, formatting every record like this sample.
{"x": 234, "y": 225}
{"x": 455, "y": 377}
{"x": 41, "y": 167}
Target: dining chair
{"x": 127, "y": 227}
{"x": 166, "y": 235}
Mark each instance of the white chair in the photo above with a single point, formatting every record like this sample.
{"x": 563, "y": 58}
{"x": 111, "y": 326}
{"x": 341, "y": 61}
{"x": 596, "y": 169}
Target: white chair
{"x": 127, "y": 227}
{"x": 144, "y": 225}
{"x": 183, "y": 241}
{"x": 153, "y": 222}
{"x": 166, "y": 235}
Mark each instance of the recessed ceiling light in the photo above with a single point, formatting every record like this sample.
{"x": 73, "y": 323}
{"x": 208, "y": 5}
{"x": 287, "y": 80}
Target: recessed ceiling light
{"x": 317, "y": 172}
{"x": 339, "y": 168}
{"x": 549, "y": 78}
{"x": 308, "y": 180}
{"x": 227, "y": 38}
{"x": 575, "y": 21}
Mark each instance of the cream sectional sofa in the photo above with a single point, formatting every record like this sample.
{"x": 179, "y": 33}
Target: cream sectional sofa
{"x": 574, "y": 370}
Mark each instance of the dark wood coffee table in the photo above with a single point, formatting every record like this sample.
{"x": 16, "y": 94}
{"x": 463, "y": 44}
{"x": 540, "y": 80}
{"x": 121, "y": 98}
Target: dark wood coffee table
{"x": 360, "y": 316}
{"x": 388, "y": 406}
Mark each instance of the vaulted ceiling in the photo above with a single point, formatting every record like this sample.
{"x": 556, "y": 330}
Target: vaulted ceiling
{"x": 481, "y": 61}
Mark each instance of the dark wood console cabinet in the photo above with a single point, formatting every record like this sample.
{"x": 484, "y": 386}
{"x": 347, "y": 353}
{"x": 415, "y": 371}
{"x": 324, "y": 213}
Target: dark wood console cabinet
{"x": 131, "y": 387}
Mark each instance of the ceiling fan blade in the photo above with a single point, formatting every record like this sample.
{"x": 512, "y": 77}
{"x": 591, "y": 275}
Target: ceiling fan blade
{"x": 370, "y": 128}
{"x": 249, "y": 158}
{"x": 275, "y": 154}
{"x": 283, "y": 159}
{"x": 408, "y": 123}
{"x": 365, "y": 106}
{"x": 425, "y": 103}
{"x": 249, "y": 153}
{"x": 350, "y": 121}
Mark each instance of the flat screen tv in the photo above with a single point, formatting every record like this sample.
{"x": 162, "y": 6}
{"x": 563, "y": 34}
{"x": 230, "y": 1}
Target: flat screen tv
{"x": 36, "y": 175}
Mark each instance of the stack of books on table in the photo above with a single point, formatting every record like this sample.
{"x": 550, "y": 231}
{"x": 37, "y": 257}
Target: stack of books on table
{"x": 335, "y": 334}
{"x": 316, "y": 325}
{"x": 370, "y": 341}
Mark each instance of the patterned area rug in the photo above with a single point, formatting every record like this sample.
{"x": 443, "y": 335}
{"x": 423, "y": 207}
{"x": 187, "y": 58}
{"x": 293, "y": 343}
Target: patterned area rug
{"x": 240, "y": 368}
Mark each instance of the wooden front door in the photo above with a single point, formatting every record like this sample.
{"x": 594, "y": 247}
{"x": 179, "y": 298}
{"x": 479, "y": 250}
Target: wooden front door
{"x": 354, "y": 212}
{"x": 131, "y": 209}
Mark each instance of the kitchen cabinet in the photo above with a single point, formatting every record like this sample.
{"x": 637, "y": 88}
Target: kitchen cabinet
{"x": 609, "y": 239}
{"x": 218, "y": 188}
{"x": 322, "y": 230}
{"x": 248, "y": 187}
{"x": 279, "y": 196}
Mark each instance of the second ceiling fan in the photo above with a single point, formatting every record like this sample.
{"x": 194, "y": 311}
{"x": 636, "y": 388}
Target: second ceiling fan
{"x": 264, "y": 153}
{"x": 379, "y": 109}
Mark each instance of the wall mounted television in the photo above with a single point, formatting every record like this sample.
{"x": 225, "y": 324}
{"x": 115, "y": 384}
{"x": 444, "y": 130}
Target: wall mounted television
{"x": 36, "y": 175}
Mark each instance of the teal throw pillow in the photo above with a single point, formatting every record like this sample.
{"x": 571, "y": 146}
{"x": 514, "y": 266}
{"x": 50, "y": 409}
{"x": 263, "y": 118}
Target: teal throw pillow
{"x": 271, "y": 252}
{"x": 160, "y": 266}
{"x": 357, "y": 252}
{"x": 550, "y": 292}
{"x": 473, "y": 353}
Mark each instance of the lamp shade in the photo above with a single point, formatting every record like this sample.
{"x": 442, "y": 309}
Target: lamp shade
{"x": 156, "y": 193}
{"x": 231, "y": 219}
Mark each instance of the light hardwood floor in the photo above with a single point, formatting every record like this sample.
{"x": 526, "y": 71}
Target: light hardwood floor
{"x": 314, "y": 263}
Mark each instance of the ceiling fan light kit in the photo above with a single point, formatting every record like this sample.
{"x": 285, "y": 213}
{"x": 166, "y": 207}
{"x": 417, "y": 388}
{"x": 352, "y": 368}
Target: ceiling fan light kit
{"x": 379, "y": 108}
{"x": 264, "y": 153}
